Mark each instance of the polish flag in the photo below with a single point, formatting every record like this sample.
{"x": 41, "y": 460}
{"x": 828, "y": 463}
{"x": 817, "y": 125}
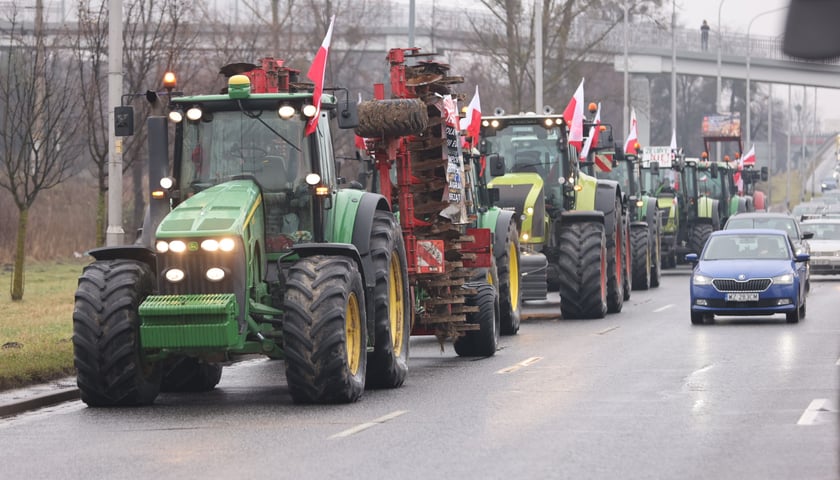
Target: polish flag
{"x": 472, "y": 120}
{"x": 592, "y": 138}
{"x": 633, "y": 136}
{"x": 748, "y": 159}
{"x": 316, "y": 74}
{"x": 574, "y": 115}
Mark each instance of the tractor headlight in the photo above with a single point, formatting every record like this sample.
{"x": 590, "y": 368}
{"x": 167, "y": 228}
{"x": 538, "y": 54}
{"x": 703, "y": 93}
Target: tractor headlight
{"x": 176, "y": 116}
{"x": 194, "y": 114}
{"x": 167, "y": 182}
{"x": 313, "y": 179}
{"x": 286, "y": 112}
{"x": 178, "y": 246}
{"x": 174, "y": 275}
{"x": 162, "y": 247}
{"x": 525, "y": 237}
{"x": 210, "y": 245}
{"x": 215, "y": 274}
{"x": 700, "y": 279}
{"x": 309, "y": 110}
{"x": 529, "y": 210}
{"x": 227, "y": 244}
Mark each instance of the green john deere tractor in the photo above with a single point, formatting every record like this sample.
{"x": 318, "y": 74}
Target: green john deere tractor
{"x": 249, "y": 246}
{"x": 570, "y": 223}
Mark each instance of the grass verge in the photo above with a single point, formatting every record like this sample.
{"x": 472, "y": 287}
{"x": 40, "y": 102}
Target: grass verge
{"x": 35, "y": 333}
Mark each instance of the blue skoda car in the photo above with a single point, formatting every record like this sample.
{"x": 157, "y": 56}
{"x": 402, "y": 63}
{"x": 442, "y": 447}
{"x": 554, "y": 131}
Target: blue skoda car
{"x": 747, "y": 272}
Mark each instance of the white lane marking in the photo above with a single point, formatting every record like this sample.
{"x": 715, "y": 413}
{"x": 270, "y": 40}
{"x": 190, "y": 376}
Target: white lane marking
{"x": 607, "y": 330}
{"x": 364, "y": 426}
{"x": 523, "y": 363}
{"x": 662, "y": 309}
{"x": 838, "y": 362}
{"x": 810, "y": 413}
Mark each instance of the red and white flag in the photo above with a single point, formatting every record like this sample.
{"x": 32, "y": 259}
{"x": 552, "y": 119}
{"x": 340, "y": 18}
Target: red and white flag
{"x": 748, "y": 159}
{"x": 633, "y": 136}
{"x": 316, "y": 74}
{"x": 472, "y": 120}
{"x": 574, "y": 115}
{"x": 592, "y": 138}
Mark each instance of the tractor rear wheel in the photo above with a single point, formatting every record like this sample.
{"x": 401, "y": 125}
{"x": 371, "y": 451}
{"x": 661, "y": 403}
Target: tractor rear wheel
{"x": 656, "y": 256}
{"x": 697, "y": 237}
{"x": 388, "y": 363}
{"x": 188, "y": 374}
{"x": 615, "y": 261}
{"x": 640, "y": 240}
{"x": 111, "y": 369}
{"x": 582, "y": 263}
{"x": 392, "y": 118}
{"x": 510, "y": 296}
{"x": 485, "y": 341}
{"x": 325, "y": 330}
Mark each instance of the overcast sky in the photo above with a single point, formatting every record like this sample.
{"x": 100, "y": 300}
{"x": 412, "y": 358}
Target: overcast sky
{"x": 735, "y": 15}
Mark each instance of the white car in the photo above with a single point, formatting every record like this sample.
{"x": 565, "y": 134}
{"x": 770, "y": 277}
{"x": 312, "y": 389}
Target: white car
{"x": 825, "y": 245}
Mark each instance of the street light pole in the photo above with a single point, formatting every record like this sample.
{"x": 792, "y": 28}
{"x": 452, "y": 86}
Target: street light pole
{"x": 114, "y": 234}
{"x": 626, "y": 108}
{"x": 802, "y": 149}
{"x": 674, "y": 67}
{"x": 748, "y": 97}
{"x": 787, "y": 167}
{"x": 717, "y": 98}
{"x": 814, "y": 169}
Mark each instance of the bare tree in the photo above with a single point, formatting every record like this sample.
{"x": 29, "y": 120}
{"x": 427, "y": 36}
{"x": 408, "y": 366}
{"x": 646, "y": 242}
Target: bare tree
{"x": 90, "y": 52}
{"x": 37, "y": 125}
{"x": 508, "y": 40}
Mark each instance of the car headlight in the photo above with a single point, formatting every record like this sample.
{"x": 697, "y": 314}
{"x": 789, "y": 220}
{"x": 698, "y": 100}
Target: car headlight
{"x": 700, "y": 279}
{"x": 785, "y": 279}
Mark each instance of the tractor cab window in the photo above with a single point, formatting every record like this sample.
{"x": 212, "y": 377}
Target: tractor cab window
{"x": 708, "y": 186}
{"x": 528, "y": 149}
{"x": 233, "y": 144}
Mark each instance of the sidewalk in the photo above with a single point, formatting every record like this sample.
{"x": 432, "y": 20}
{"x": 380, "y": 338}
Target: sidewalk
{"x": 19, "y": 400}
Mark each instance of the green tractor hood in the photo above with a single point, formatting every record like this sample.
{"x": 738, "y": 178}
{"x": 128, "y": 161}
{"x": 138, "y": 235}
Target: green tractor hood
{"x": 224, "y": 209}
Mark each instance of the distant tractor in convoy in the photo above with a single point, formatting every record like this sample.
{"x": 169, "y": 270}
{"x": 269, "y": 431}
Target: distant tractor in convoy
{"x": 570, "y": 224}
{"x": 250, "y": 247}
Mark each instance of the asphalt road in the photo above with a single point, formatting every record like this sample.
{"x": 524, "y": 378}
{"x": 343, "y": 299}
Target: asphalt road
{"x": 640, "y": 394}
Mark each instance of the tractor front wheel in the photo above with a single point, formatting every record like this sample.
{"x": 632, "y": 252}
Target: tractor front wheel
{"x": 640, "y": 241}
{"x": 325, "y": 330}
{"x": 582, "y": 263}
{"x": 111, "y": 369}
{"x": 510, "y": 296}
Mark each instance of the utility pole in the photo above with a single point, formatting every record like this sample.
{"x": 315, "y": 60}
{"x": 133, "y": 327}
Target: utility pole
{"x": 626, "y": 113}
{"x": 538, "y": 57}
{"x": 115, "y": 233}
{"x": 674, "y": 66}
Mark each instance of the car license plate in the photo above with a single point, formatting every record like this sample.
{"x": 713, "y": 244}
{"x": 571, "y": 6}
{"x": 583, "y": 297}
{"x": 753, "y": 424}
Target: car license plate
{"x": 742, "y": 297}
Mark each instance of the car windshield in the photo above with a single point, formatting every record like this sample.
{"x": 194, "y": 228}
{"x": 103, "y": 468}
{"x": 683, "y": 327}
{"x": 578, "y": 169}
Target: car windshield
{"x": 774, "y": 223}
{"x": 737, "y": 247}
{"x": 825, "y": 231}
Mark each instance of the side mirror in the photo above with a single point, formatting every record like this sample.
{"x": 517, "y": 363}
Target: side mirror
{"x": 497, "y": 164}
{"x": 807, "y": 235}
{"x": 654, "y": 168}
{"x": 692, "y": 258}
{"x": 348, "y": 115}
{"x": 803, "y": 257}
{"x": 765, "y": 174}
{"x": 714, "y": 170}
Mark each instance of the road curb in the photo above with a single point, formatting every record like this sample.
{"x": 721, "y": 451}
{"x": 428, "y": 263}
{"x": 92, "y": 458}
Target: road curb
{"x": 39, "y": 401}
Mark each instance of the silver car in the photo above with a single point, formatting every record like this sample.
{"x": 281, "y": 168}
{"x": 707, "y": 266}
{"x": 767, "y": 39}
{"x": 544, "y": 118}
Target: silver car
{"x": 825, "y": 245}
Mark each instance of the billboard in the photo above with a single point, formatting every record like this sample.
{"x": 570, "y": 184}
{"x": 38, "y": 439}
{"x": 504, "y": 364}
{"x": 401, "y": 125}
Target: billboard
{"x": 662, "y": 155}
{"x": 728, "y": 125}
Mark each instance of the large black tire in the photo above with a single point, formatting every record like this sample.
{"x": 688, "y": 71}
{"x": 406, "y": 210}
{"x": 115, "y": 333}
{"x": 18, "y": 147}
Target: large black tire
{"x": 796, "y": 315}
{"x": 510, "y": 295}
{"x": 628, "y": 264}
{"x": 697, "y": 237}
{"x": 388, "y": 362}
{"x": 615, "y": 262}
{"x": 582, "y": 263}
{"x": 698, "y": 318}
{"x": 324, "y": 330}
{"x": 392, "y": 118}
{"x": 111, "y": 369}
{"x": 188, "y": 374}
{"x": 640, "y": 245}
{"x": 655, "y": 255}
{"x": 483, "y": 342}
